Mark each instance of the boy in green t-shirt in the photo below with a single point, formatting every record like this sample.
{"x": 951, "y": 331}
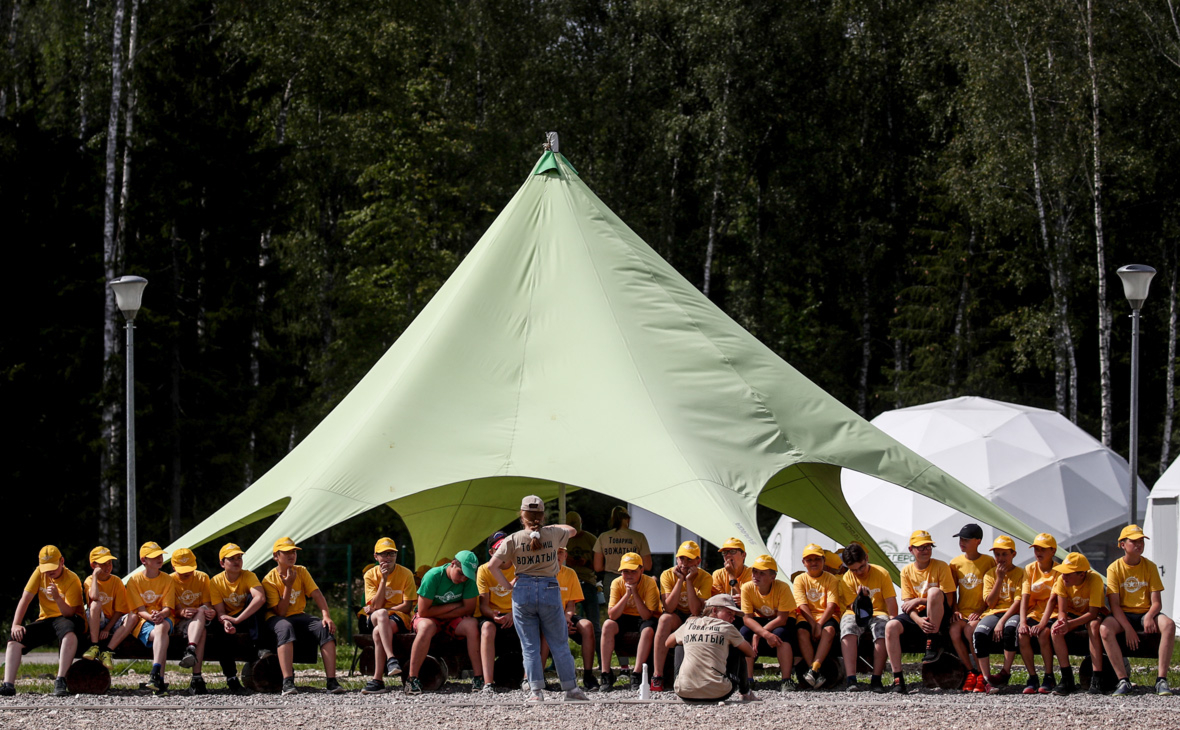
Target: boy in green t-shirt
{"x": 446, "y": 602}
{"x": 59, "y": 596}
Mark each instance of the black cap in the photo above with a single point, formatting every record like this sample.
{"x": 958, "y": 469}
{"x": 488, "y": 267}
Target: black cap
{"x": 970, "y": 531}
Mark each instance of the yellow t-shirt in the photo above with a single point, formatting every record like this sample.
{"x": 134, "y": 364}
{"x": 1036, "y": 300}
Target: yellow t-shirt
{"x": 1090, "y": 593}
{"x": 880, "y": 587}
{"x": 816, "y": 592}
{"x": 968, "y": 575}
{"x": 303, "y": 587}
{"x": 647, "y": 591}
{"x": 780, "y": 598}
{"x": 112, "y": 594}
{"x": 1038, "y": 586}
{"x": 486, "y": 584}
{"x": 399, "y": 588}
{"x": 194, "y": 592}
{"x": 236, "y": 595}
{"x": 1009, "y": 589}
{"x": 153, "y": 594}
{"x": 67, "y": 584}
{"x": 721, "y": 580}
{"x": 702, "y": 584}
{"x": 1133, "y": 584}
{"x": 916, "y": 583}
{"x": 571, "y": 587}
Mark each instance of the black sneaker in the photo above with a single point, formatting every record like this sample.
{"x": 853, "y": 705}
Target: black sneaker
{"x": 333, "y": 687}
{"x": 608, "y": 681}
{"x": 1067, "y": 687}
{"x": 156, "y": 685}
{"x": 933, "y": 651}
{"x": 1049, "y": 684}
{"x": 392, "y": 667}
{"x": 589, "y": 681}
{"x": 189, "y": 660}
{"x": 197, "y": 686}
{"x": 289, "y": 686}
{"x": 850, "y": 685}
{"x": 1095, "y": 684}
{"x": 477, "y": 684}
{"x": 412, "y": 686}
{"x": 636, "y": 680}
{"x": 59, "y": 688}
{"x": 1033, "y": 685}
{"x": 374, "y": 687}
{"x": 7, "y": 690}
{"x": 899, "y": 687}
{"x": 876, "y": 685}
{"x": 235, "y": 687}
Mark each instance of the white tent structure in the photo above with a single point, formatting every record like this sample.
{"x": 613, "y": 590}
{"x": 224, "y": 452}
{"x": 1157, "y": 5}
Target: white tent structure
{"x": 787, "y": 539}
{"x": 1161, "y": 526}
{"x": 1033, "y": 463}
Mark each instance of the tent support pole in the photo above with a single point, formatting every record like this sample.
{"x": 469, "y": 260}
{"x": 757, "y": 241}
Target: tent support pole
{"x": 561, "y": 503}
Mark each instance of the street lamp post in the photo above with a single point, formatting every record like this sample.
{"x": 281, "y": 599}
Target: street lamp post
{"x": 1136, "y": 281}
{"x": 129, "y": 294}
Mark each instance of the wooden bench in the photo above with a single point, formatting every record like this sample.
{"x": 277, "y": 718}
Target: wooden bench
{"x": 446, "y": 657}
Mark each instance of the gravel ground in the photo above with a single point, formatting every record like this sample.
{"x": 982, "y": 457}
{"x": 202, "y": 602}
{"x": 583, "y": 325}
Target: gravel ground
{"x": 127, "y": 708}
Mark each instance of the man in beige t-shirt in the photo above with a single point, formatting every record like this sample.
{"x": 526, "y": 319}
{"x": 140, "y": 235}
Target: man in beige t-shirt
{"x": 711, "y": 654}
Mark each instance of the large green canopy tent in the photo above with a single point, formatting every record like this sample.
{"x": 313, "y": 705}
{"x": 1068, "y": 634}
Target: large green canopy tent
{"x": 565, "y": 351}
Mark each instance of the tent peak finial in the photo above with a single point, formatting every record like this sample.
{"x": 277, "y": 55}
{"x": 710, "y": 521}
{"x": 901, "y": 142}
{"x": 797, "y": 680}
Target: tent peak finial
{"x": 551, "y": 142}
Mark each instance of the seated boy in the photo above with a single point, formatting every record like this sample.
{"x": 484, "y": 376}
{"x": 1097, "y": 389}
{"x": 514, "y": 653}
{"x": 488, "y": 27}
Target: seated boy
{"x": 495, "y": 617}
{"x": 634, "y": 607}
{"x": 446, "y": 602}
{"x": 59, "y": 596}
{"x": 1036, "y": 611}
{"x": 817, "y": 593}
{"x": 768, "y": 608}
{"x": 107, "y": 598}
{"x": 238, "y": 598}
{"x": 968, "y": 571}
{"x": 288, "y": 586}
{"x": 1134, "y": 587}
{"x": 684, "y": 588}
{"x": 390, "y": 595}
{"x": 194, "y": 610}
{"x": 872, "y": 582}
{"x": 927, "y": 591}
{"x": 152, "y": 595}
{"x": 1001, "y": 617}
{"x": 1080, "y": 595}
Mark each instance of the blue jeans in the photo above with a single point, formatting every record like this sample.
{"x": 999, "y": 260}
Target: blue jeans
{"x": 537, "y": 610}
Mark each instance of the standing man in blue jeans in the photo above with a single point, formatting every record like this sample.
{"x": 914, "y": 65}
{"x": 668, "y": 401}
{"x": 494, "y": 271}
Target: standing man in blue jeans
{"x": 537, "y": 608}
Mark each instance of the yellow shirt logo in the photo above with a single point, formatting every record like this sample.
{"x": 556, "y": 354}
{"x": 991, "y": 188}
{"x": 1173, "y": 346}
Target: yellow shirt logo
{"x": 150, "y": 596}
{"x": 1079, "y": 601}
{"x": 1042, "y": 586}
{"x": 766, "y": 610}
{"x": 923, "y": 587}
{"x": 1006, "y": 590}
{"x": 390, "y": 593}
{"x": 188, "y": 597}
{"x": 969, "y": 581}
{"x": 1133, "y": 584}
{"x": 814, "y": 594}
{"x": 234, "y": 599}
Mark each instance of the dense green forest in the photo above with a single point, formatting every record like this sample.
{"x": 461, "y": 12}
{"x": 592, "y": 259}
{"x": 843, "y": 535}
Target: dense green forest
{"x": 907, "y": 200}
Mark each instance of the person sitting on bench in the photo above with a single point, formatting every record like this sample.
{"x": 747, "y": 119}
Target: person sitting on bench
{"x": 1081, "y": 603}
{"x": 238, "y": 598}
{"x": 817, "y": 593}
{"x": 927, "y": 594}
{"x": 390, "y": 595}
{"x": 1134, "y": 587}
{"x": 684, "y": 588}
{"x": 59, "y": 596}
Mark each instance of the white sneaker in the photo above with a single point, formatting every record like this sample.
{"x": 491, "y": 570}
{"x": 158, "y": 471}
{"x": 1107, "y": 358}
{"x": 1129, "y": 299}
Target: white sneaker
{"x": 536, "y": 696}
{"x": 576, "y": 695}
{"x": 488, "y": 689}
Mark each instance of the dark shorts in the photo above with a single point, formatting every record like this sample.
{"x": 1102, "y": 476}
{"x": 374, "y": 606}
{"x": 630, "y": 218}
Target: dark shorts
{"x": 984, "y": 636}
{"x": 805, "y": 626}
{"x": 365, "y": 623}
{"x": 180, "y": 628}
{"x": 46, "y": 631}
{"x": 633, "y": 624}
{"x": 909, "y": 626}
{"x": 785, "y": 632}
{"x": 289, "y": 629}
{"x": 1136, "y": 620}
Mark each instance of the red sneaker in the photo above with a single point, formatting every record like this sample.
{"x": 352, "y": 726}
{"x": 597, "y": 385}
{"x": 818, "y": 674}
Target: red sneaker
{"x": 657, "y": 684}
{"x": 982, "y": 686}
{"x": 969, "y": 682}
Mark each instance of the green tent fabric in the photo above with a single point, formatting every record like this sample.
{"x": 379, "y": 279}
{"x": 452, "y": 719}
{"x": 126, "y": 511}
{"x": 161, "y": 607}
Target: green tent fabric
{"x": 565, "y": 351}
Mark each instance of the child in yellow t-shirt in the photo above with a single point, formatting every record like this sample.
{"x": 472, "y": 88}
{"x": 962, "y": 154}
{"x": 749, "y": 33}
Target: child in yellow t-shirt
{"x": 238, "y": 599}
{"x": 107, "y": 597}
{"x": 194, "y": 611}
{"x": 817, "y": 595}
{"x": 152, "y": 598}
{"x": 1035, "y": 612}
{"x": 1001, "y": 615}
{"x": 390, "y": 595}
{"x": 496, "y": 628}
{"x": 768, "y": 605}
{"x": 684, "y": 588}
{"x": 872, "y": 584}
{"x": 634, "y": 607}
{"x": 1080, "y": 596}
{"x": 59, "y": 596}
{"x": 735, "y": 573}
{"x": 1133, "y": 585}
{"x": 968, "y": 571}
{"x": 927, "y": 590}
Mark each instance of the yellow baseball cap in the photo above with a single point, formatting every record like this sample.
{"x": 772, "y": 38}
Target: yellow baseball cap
{"x": 631, "y": 561}
{"x": 101, "y": 554}
{"x": 228, "y": 550}
{"x": 1003, "y": 542}
{"x": 150, "y": 550}
{"x": 734, "y": 544}
{"x": 833, "y": 560}
{"x": 1073, "y": 563}
{"x": 48, "y": 559}
{"x": 765, "y": 562}
{"x": 284, "y": 544}
{"x": 689, "y": 549}
{"x": 920, "y": 537}
{"x": 812, "y": 549}
{"x": 1045, "y": 540}
{"x": 1132, "y": 532}
{"x": 385, "y": 543}
{"x": 183, "y": 561}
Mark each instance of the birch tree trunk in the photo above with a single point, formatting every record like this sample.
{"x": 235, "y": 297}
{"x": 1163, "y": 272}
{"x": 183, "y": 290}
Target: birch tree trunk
{"x": 111, "y": 259}
{"x": 960, "y": 317}
{"x": 84, "y": 85}
{"x": 10, "y": 47}
{"x": 711, "y": 243}
{"x": 128, "y": 127}
{"x": 1170, "y": 385}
